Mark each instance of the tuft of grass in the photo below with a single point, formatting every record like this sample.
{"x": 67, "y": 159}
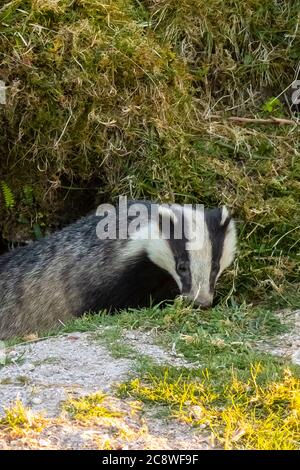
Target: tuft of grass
{"x": 112, "y": 337}
{"x": 243, "y": 322}
{"x": 240, "y": 414}
{"x": 245, "y": 398}
{"x": 8, "y": 360}
{"x": 18, "y": 420}
{"x": 90, "y": 407}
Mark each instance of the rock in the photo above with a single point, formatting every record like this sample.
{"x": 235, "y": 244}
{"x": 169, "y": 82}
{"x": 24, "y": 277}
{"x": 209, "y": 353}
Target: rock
{"x": 28, "y": 367}
{"x": 44, "y": 443}
{"x": 36, "y": 401}
{"x": 296, "y": 358}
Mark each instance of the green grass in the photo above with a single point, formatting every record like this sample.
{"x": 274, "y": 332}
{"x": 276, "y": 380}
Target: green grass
{"x": 90, "y": 407}
{"x": 242, "y": 414}
{"x": 246, "y": 398}
{"x": 112, "y": 337}
{"x": 6, "y": 361}
{"x": 127, "y": 97}
{"x": 239, "y": 322}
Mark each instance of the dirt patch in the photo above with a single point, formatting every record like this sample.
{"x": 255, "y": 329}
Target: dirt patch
{"x": 144, "y": 343}
{"x": 44, "y": 374}
{"x": 135, "y": 429}
{"x": 286, "y": 345}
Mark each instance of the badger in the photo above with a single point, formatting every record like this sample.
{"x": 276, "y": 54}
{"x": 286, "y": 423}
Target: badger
{"x": 78, "y": 269}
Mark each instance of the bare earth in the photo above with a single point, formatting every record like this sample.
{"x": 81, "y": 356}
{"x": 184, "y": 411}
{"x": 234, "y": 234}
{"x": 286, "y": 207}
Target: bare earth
{"x": 288, "y": 344}
{"x": 45, "y": 373}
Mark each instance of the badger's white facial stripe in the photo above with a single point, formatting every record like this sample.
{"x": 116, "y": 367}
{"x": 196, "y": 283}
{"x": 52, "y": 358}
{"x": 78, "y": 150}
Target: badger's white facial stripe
{"x": 200, "y": 270}
{"x": 157, "y": 249}
{"x": 199, "y": 257}
{"x": 160, "y": 253}
{"x": 225, "y": 215}
{"x": 229, "y": 247}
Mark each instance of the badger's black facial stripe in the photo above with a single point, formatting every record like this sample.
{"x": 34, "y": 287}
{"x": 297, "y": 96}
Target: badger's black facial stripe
{"x": 184, "y": 272}
{"x": 217, "y": 233}
{"x": 182, "y": 258}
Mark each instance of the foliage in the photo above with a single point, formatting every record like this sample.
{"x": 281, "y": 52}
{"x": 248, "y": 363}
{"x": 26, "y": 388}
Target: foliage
{"x": 243, "y": 415}
{"x": 18, "y": 420}
{"x": 8, "y": 196}
{"x": 133, "y": 97}
{"x": 89, "y": 407}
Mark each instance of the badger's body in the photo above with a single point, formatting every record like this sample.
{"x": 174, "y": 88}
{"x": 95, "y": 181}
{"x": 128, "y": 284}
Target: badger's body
{"x": 74, "y": 271}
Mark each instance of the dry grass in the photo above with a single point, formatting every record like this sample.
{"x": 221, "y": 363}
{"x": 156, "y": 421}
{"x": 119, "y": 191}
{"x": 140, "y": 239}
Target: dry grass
{"x": 133, "y": 97}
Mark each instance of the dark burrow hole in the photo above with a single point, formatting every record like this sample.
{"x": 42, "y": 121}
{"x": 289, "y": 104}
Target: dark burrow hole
{"x": 72, "y": 201}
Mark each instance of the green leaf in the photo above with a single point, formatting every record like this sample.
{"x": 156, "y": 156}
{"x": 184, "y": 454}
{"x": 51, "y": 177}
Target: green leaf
{"x": 8, "y": 196}
{"x": 271, "y": 104}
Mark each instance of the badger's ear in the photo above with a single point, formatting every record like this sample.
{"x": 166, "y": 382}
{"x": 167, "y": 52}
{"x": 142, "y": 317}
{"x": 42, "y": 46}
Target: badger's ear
{"x": 225, "y": 217}
{"x": 166, "y": 218}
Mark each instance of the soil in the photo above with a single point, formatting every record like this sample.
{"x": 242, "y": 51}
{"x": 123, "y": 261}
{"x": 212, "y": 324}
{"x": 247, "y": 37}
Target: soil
{"x": 43, "y": 374}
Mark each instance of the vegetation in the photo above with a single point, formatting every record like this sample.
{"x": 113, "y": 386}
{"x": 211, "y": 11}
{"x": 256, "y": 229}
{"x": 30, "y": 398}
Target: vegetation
{"x": 243, "y": 415}
{"x": 19, "y": 420}
{"x": 229, "y": 388}
{"x": 134, "y": 97}
{"x": 89, "y": 407}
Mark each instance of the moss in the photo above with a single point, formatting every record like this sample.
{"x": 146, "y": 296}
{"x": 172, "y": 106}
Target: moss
{"x": 126, "y": 97}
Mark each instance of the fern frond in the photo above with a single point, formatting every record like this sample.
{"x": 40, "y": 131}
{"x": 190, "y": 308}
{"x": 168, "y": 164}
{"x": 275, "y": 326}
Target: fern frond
{"x": 9, "y": 199}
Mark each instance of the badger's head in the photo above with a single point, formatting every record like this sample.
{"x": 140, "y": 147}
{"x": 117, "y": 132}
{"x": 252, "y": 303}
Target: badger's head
{"x": 194, "y": 263}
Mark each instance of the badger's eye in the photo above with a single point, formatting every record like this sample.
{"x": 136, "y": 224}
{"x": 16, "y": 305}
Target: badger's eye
{"x": 182, "y": 268}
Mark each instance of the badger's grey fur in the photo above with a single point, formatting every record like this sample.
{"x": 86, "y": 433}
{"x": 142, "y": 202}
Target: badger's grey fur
{"x": 73, "y": 271}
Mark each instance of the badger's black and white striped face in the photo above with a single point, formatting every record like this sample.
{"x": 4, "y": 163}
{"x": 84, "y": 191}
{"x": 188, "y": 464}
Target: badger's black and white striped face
{"x": 214, "y": 257}
{"x": 195, "y": 270}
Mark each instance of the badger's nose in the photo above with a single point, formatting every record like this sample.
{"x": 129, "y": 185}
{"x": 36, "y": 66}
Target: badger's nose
{"x": 204, "y": 302}
{"x": 201, "y": 302}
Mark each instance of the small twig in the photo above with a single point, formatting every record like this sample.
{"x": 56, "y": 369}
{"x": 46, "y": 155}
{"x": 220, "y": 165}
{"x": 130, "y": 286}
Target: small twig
{"x": 271, "y": 120}
{"x": 64, "y": 129}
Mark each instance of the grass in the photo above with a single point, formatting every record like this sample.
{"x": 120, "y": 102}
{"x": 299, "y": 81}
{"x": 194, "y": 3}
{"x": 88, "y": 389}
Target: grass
{"x": 18, "y": 420}
{"x": 245, "y": 398}
{"x": 112, "y": 337}
{"x": 127, "y": 97}
{"x": 7, "y": 360}
{"x": 89, "y": 407}
{"x": 241, "y": 415}
{"x": 243, "y": 322}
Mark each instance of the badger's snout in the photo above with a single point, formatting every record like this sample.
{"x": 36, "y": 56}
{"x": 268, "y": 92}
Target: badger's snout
{"x": 203, "y": 302}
